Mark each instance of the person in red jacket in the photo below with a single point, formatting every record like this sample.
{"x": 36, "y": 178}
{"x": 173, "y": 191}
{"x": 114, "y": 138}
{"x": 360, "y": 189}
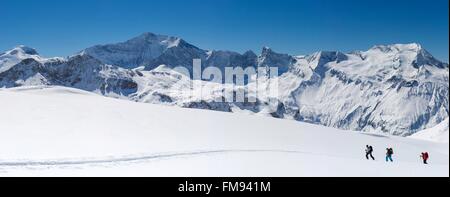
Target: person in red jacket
{"x": 425, "y": 157}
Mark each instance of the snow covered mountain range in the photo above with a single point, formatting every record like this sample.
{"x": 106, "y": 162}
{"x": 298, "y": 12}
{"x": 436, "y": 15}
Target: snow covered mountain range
{"x": 397, "y": 89}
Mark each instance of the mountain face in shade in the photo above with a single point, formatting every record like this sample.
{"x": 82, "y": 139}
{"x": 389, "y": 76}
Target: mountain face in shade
{"x": 80, "y": 71}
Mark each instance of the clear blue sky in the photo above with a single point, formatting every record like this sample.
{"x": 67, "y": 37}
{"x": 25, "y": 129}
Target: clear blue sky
{"x": 63, "y": 27}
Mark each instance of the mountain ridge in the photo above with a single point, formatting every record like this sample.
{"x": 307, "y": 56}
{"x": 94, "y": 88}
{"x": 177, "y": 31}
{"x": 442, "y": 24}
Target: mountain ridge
{"x": 397, "y": 89}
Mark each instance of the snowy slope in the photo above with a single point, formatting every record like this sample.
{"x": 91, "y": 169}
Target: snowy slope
{"x": 57, "y": 131}
{"x": 439, "y": 133}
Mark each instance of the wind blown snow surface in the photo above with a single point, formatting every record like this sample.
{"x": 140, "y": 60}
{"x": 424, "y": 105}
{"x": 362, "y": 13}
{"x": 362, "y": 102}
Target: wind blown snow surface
{"x": 58, "y": 131}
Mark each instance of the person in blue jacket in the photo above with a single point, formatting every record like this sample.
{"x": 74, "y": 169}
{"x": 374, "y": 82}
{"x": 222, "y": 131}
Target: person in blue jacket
{"x": 389, "y": 153}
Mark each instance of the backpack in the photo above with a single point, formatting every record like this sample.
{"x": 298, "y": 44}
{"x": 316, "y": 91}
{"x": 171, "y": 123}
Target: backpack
{"x": 390, "y": 151}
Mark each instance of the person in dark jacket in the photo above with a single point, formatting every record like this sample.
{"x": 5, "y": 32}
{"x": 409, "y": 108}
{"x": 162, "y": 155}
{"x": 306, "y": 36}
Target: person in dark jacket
{"x": 425, "y": 157}
{"x": 389, "y": 153}
{"x": 369, "y": 151}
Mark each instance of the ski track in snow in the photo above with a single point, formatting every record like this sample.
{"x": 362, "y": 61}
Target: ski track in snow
{"x": 126, "y": 159}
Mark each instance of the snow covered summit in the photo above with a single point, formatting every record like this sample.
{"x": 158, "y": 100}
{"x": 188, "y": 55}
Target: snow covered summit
{"x": 136, "y": 51}
{"x": 16, "y": 55}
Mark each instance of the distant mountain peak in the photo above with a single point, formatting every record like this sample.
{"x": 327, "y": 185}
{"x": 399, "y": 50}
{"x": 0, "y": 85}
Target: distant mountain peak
{"x": 23, "y": 50}
{"x": 148, "y": 34}
{"x": 136, "y": 51}
{"x": 266, "y": 50}
{"x": 413, "y": 53}
{"x": 151, "y": 38}
{"x": 269, "y": 52}
{"x": 14, "y": 56}
{"x": 414, "y": 47}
